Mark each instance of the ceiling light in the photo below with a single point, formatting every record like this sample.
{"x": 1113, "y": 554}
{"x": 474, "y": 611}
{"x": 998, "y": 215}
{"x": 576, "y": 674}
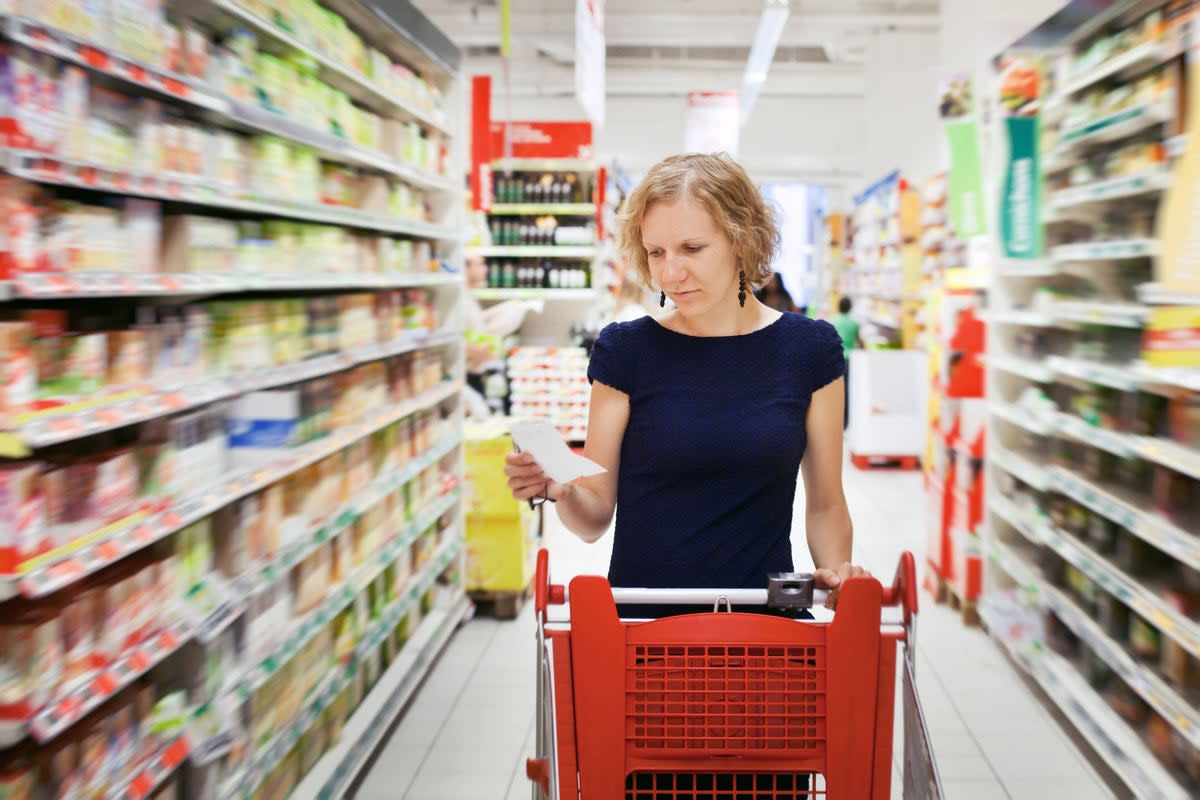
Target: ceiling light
{"x": 762, "y": 53}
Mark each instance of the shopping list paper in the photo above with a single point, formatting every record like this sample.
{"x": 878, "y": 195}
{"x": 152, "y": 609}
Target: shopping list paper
{"x": 546, "y": 444}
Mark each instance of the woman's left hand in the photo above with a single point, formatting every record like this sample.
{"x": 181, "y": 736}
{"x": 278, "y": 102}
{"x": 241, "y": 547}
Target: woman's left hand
{"x": 832, "y": 579}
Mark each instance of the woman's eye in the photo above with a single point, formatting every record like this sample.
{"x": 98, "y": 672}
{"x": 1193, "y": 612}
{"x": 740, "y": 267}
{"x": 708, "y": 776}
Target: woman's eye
{"x": 693, "y": 248}
{"x": 655, "y": 254}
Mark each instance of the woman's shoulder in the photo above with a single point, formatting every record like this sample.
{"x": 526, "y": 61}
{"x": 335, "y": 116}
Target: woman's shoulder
{"x": 624, "y": 331}
{"x": 806, "y": 329}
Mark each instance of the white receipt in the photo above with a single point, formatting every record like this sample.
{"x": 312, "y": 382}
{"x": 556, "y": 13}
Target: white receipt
{"x": 543, "y": 441}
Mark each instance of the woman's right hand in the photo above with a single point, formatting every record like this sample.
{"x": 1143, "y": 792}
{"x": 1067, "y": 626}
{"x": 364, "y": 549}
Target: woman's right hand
{"x": 527, "y": 480}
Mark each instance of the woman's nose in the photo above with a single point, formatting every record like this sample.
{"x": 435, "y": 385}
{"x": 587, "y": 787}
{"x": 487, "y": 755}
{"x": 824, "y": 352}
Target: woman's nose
{"x": 673, "y": 269}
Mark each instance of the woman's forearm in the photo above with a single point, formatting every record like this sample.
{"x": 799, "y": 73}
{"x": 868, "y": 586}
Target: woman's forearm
{"x": 583, "y": 512}
{"x": 830, "y": 535}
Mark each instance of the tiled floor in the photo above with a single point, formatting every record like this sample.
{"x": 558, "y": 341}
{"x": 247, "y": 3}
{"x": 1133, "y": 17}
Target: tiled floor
{"x": 471, "y": 726}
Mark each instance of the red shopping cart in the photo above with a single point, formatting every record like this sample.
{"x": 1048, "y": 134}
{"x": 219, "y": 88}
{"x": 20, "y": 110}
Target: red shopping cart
{"x": 726, "y": 706}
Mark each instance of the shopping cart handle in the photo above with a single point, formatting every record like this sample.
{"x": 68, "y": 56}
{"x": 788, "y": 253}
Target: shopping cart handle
{"x": 544, "y": 593}
{"x": 903, "y": 591}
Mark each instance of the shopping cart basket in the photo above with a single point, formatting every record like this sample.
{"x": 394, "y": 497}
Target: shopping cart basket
{"x": 726, "y": 706}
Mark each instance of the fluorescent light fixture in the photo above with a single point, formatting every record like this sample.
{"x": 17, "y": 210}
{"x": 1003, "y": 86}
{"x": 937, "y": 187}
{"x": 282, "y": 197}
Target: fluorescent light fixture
{"x": 762, "y": 52}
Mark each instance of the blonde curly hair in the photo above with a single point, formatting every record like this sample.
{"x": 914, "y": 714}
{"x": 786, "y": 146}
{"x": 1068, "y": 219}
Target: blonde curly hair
{"x": 719, "y": 184}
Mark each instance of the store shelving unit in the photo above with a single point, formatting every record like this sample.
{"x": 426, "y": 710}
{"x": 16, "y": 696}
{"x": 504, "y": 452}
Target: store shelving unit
{"x": 885, "y": 268}
{"x": 329, "y": 564}
{"x": 535, "y": 294}
{"x": 547, "y": 229}
{"x": 835, "y": 259}
{"x": 1091, "y": 561}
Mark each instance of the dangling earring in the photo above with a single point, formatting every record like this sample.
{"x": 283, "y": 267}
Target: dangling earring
{"x": 742, "y": 288}
{"x": 662, "y": 299}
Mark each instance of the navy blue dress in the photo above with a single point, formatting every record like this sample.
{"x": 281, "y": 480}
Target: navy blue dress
{"x": 712, "y": 450}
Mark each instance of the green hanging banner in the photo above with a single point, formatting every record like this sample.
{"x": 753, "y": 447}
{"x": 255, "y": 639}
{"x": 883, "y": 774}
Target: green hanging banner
{"x": 1020, "y": 205}
{"x": 956, "y": 106}
{"x": 1020, "y": 214}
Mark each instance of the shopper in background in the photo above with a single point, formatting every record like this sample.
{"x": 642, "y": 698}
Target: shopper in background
{"x": 704, "y": 416}
{"x": 485, "y": 328}
{"x": 775, "y": 295}
{"x": 847, "y": 328}
{"x": 630, "y": 300}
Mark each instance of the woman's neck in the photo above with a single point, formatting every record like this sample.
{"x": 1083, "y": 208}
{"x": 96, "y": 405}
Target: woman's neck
{"x": 719, "y": 322}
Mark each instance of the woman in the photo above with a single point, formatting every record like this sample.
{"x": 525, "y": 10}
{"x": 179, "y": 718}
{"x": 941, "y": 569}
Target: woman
{"x": 485, "y": 329}
{"x": 775, "y": 295}
{"x": 701, "y": 416}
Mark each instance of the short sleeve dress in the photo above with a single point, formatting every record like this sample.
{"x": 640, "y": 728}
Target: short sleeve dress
{"x": 712, "y": 449}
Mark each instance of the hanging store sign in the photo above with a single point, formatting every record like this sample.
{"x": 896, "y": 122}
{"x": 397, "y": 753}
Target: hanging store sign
{"x": 1020, "y": 205}
{"x": 713, "y": 123}
{"x": 590, "y": 58}
{"x": 956, "y": 106}
{"x": 506, "y": 28}
{"x": 542, "y": 139}
{"x": 481, "y": 142}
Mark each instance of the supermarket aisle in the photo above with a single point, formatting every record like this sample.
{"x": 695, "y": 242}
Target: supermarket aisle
{"x": 471, "y": 727}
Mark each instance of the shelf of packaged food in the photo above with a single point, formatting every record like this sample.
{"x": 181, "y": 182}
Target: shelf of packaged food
{"x": 1107, "y": 732}
{"x": 332, "y": 776}
{"x": 1152, "y": 688}
{"x": 1073, "y": 427}
{"x": 1115, "y": 250}
{"x": 1114, "y": 314}
{"x": 884, "y": 321}
{"x": 80, "y": 285}
{"x": 1018, "y": 317}
{"x": 543, "y": 209}
{"x": 1133, "y": 592}
{"x": 1019, "y": 466}
{"x": 49, "y": 168}
{"x": 1115, "y": 377}
{"x": 61, "y": 568}
{"x": 1110, "y": 735}
{"x": 1014, "y": 565}
{"x": 1022, "y": 418}
{"x": 1127, "y": 511}
{"x": 328, "y": 146}
{"x": 1034, "y": 268}
{"x": 1021, "y": 521}
{"x": 1102, "y": 191}
{"x": 343, "y": 518}
{"x": 1169, "y": 377}
{"x": 436, "y": 626}
{"x": 538, "y": 251}
{"x": 1156, "y": 294}
{"x": 1111, "y": 314}
{"x": 535, "y": 294}
{"x": 1021, "y": 367}
{"x": 1055, "y": 161}
{"x": 154, "y": 771}
{"x": 121, "y": 407}
{"x": 1117, "y": 125}
{"x": 1179, "y": 457}
{"x": 227, "y": 15}
{"x": 1133, "y": 60}
{"x": 304, "y": 629}
{"x": 43, "y": 38}
{"x": 83, "y": 697}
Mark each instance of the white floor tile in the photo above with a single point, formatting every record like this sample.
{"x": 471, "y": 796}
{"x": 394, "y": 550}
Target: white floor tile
{"x": 469, "y": 731}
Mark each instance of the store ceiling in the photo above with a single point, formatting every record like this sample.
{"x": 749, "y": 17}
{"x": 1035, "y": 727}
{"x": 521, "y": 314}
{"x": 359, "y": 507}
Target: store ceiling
{"x": 671, "y": 47}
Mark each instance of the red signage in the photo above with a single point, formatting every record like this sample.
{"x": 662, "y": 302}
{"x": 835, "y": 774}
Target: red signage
{"x": 540, "y": 140}
{"x": 543, "y": 139}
